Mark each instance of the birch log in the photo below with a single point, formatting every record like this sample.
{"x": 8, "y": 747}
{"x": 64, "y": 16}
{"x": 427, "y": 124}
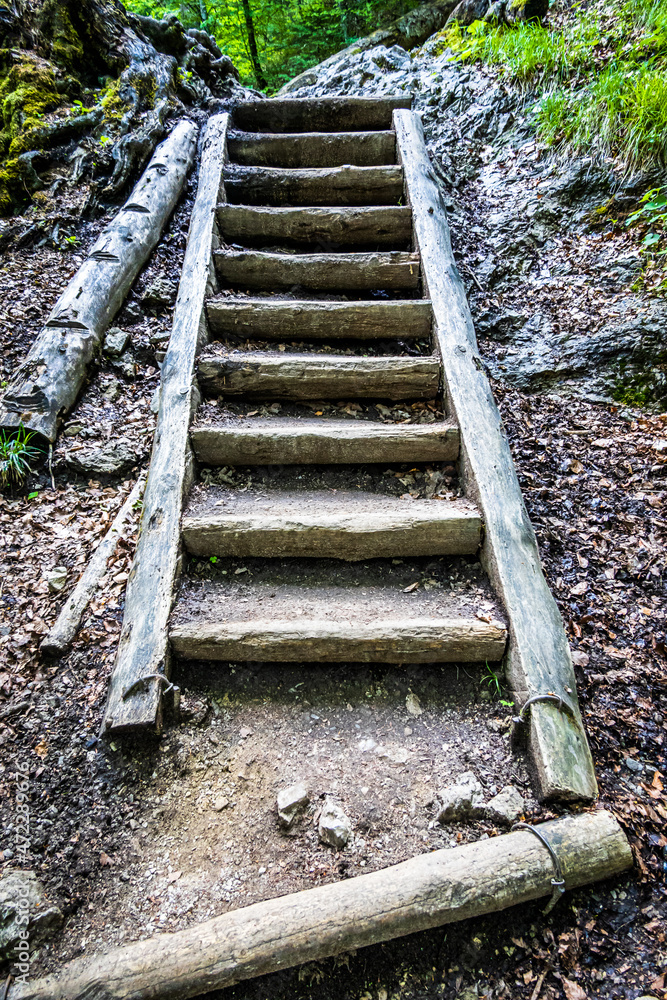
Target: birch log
{"x": 60, "y": 637}
{"x": 427, "y": 891}
{"x": 47, "y": 383}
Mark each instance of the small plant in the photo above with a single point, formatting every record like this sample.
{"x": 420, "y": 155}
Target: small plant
{"x": 495, "y": 686}
{"x": 71, "y": 241}
{"x": 104, "y": 140}
{"x": 16, "y": 453}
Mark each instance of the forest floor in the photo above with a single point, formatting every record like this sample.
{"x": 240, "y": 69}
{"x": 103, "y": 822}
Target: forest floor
{"x": 110, "y": 822}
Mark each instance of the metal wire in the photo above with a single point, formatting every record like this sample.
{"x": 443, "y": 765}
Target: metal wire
{"x": 558, "y": 882}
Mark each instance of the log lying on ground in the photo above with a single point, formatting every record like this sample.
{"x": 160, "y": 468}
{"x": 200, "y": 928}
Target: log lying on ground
{"x": 60, "y": 637}
{"x": 313, "y": 149}
{"x": 328, "y": 272}
{"x": 327, "y": 114}
{"x": 427, "y": 891}
{"x": 378, "y": 227}
{"x": 142, "y": 649}
{"x": 277, "y": 319}
{"x": 323, "y": 186}
{"x": 260, "y": 375}
{"x": 539, "y": 658}
{"x": 46, "y": 384}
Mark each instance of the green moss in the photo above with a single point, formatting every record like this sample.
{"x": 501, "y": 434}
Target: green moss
{"x": 113, "y": 104}
{"x": 642, "y": 385}
{"x": 27, "y": 92}
{"x": 10, "y": 178}
{"x": 66, "y": 48}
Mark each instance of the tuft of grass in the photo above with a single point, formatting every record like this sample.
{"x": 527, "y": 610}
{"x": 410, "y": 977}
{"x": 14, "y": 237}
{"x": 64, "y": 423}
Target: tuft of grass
{"x": 16, "y": 453}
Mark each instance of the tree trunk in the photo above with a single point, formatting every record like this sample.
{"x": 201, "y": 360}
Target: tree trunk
{"x": 252, "y": 45}
{"x": 56, "y": 47}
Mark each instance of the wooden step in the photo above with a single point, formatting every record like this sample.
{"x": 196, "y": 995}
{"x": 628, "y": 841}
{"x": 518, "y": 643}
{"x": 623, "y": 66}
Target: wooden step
{"x": 288, "y": 319}
{"x": 315, "y": 186}
{"x": 369, "y": 226}
{"x": 310, "y": 610}
{"x": 320, "y": 524}
{"x": 264, "y": 375}
{"x": 312, "y": 149}
{"x": 333, "y": 114}
{"x": 409, "y": 640}
{"x": 286, "y": 441}
{"x": 325, "y": 272}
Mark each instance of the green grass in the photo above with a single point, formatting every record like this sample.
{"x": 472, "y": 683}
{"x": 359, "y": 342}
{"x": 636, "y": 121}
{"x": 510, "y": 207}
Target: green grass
{"x": 600, "y": 77}
{"x": 16, "y": 453}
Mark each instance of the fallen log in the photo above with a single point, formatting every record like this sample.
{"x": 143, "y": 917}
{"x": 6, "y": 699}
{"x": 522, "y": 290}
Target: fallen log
{"x": 60, "y": 636}
{"x": 538, "y": 660}
{"x": 135, "y": 696}
{"x": 428, "y": 891}
{"x": 47, "y": 383}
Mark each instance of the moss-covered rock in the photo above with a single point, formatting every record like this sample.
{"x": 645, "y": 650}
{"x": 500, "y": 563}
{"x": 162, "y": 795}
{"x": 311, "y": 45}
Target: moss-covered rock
{"x": 27, "y": 93}
{"x": 64, "y": 45}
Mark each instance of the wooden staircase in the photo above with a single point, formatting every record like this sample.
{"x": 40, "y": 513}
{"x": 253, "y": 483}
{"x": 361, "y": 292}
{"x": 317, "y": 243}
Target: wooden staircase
{"x": 270, "y": 292}
{"x": 319, "y": 268}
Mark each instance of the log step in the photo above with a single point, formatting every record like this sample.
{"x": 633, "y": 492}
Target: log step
{"x": 315, "y": 186}
{"x": 325, "y": 272}
{"x": 333, "y": 114}
{"x": 312, "y": 149}
{"x": 381, "y": 227}
{"x": 306, "y": 610}
{"x": 264, "y": 375}
{"x": 280, "y": 319}
{"x": 321, "y": 524}
{"x": 285, "y": 441}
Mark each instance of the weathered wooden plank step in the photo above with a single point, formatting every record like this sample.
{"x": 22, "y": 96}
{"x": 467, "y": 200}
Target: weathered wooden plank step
{"x": 278, "y": 319}
{"x": 307, "y": 609}
{"x": 371, "y": 226}
{"x": 328, "y": 272}
{"x": 333, "y": 114}
{"x": 286, "y": 441}
{"x": 265, "y": 375}
{"x": 312, "y": 149}
{"x": 319, "y": 524}
{"x": 345, "y": 185}
{"x": 395, "y": 640}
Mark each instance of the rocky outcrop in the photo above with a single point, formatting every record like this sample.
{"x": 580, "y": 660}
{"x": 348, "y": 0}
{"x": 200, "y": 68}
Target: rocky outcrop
{"x": 554, "y": 305}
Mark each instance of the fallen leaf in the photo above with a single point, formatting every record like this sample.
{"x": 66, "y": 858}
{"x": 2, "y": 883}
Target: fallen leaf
{"x": 413, "y": 704}
{"x": 411, "y": 587}
{"x": 174, "y": 877}
{"x": 573, "y": 991}
{"x": 105, "y": 860}
{"x": 41, "y": 749}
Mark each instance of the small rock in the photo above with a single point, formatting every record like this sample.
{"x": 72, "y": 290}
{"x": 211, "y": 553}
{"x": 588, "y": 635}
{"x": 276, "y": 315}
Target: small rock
{"x": 220, "y": 804}
{"x": 506, "y": 806}
{"x": 413, "y": 704}
{"x": 245, "y": 733}
{"x": 112, "y": 391}
{"x": 115, "y": 342}
{"x": 290, "y": 801}
{"x": 44, "y": 919}
{"x": 633, "y": 765}
{"x": 334, "y": 827}
{"x": 132, "y": 313}
{"x": 463, "y": 800}
{"x": 155, "y": 401}
{"x": 73, "y": 430}
{"x": 56, "y": 579}
{"x": 160, "y": 294}
{"x": 109, "y": 459}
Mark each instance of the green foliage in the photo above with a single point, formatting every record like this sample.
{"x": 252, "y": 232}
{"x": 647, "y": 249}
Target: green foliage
{"x": 291, "y": 35}
{"x": 16, "y": 453}
{"x": 602, "y": 75}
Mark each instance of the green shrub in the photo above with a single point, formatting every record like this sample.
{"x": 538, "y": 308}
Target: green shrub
{"x": 16, "y": 453}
